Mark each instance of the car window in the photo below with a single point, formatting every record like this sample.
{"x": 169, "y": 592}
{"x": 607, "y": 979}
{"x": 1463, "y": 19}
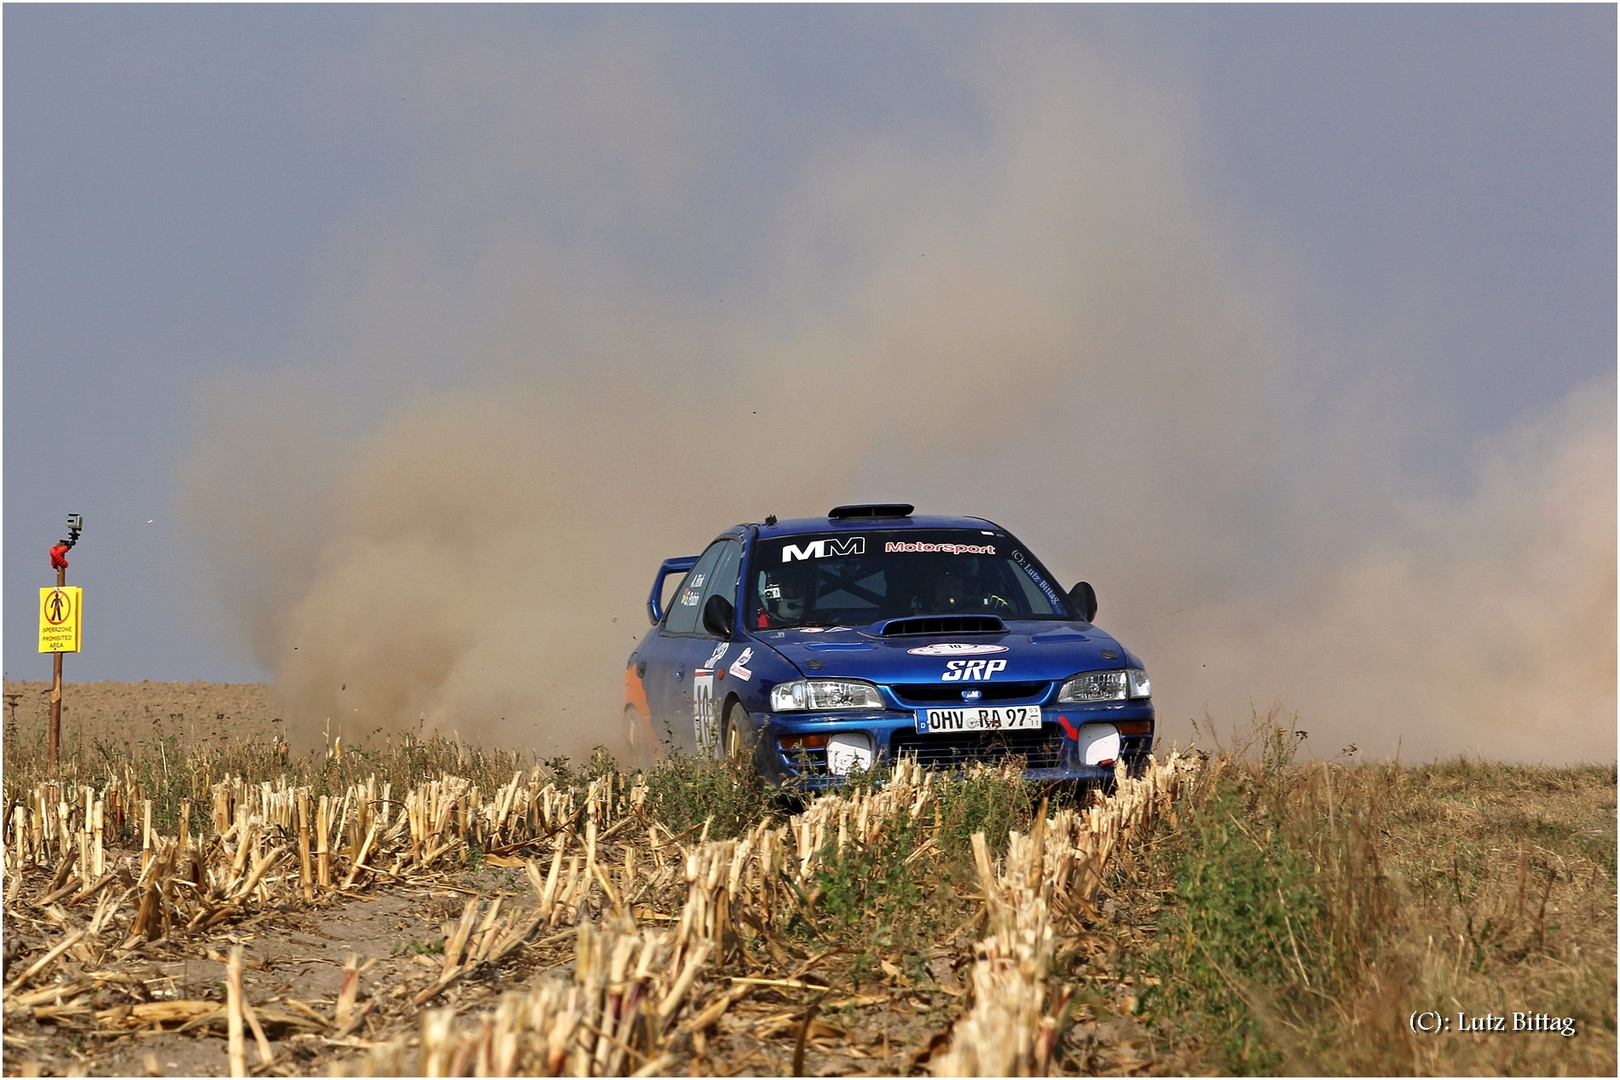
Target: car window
{"x": 672, "y": 589}
{"x": 861, "y": 578}
{"x": 1032, "y": 593}
{"x": 723, "y": 580}
{"x": 683, "y": 613}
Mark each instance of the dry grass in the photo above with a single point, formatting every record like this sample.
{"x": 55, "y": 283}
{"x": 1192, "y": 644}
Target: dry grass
{"x": 1314, "y": 908}
{"x": 1502, "y": 900}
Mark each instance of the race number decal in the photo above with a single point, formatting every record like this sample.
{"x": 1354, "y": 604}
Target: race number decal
{"x": 705, "y": 713}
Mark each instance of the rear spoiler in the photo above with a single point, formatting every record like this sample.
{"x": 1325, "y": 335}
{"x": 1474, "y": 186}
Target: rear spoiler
{"x": 681, "y": 565}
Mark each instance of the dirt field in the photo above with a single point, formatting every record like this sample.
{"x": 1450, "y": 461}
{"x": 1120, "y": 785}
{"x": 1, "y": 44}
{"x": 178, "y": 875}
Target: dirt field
{"x": 291, "y": 954}
{"x": 123, "y": 716}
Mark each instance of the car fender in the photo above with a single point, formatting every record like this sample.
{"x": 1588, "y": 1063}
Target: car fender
{"x": 635, "y": 694}
{"x": 766, "y": 667}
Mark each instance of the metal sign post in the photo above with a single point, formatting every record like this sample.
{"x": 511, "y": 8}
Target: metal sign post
{"x": 59, "y": 627}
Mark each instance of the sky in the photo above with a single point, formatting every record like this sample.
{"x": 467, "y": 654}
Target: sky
{"x": 386, "y": 350}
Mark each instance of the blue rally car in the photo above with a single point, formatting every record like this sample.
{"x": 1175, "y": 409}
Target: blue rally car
{"x": 816, "y": 647}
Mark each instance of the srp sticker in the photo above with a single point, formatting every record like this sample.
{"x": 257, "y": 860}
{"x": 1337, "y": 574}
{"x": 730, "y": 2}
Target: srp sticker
{"x": 971, "y": 670}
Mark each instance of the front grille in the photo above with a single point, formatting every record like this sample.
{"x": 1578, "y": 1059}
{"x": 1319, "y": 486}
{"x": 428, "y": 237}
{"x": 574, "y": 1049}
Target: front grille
{"x": 951, "y": 693}
{"x": 943, "y": 624}
{"x": 1041, "y": 749}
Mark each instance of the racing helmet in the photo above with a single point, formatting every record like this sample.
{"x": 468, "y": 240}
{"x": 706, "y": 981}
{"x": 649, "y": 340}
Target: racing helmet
{"x": 957, "y": 586}
{"x": 782, "y": 594}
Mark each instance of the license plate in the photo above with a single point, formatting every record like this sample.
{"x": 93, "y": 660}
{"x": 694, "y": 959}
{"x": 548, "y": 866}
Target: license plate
{"x": 980, "y": 718}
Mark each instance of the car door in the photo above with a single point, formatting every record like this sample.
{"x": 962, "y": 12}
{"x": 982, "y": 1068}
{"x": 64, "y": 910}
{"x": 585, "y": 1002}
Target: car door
{"x": 708, "y": 652}
{"x": 669, "y": 691}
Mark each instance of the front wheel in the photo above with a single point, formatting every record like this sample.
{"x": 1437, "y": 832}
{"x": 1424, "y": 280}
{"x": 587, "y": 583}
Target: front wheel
{"x": 737, "y": 736}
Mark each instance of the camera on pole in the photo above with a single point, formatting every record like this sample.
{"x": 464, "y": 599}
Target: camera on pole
{"x": 59, "y": 624}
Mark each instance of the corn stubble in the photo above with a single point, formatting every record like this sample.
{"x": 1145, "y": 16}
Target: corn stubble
{"x": 954, "y": 925}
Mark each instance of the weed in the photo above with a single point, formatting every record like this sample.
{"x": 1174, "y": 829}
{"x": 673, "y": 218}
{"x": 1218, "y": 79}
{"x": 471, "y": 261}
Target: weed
{"x": 984, "y": 799}
{"x": 1248, "y": 921}
{"x": 874, "y": 890}
{"x": 684, "y": 791}
{"x": 1310, "y": 908}
{"x": 602, "y": 763}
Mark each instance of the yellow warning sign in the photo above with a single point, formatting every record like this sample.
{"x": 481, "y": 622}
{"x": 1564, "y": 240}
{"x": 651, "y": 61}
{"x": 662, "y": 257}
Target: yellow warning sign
{"x": 59, "y": 612}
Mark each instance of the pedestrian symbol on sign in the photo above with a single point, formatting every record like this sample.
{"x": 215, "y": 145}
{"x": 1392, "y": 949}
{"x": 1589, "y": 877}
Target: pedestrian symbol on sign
{"x": 60, "y": 618}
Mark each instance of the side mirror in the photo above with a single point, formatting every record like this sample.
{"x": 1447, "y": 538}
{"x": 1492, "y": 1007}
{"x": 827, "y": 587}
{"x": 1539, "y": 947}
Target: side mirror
{"x": 717, "y": 616}
{"x": 1084, "y": 598}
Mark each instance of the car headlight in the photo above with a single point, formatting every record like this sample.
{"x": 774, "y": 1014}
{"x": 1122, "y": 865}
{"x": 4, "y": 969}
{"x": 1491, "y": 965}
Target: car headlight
{"x": 802, "y": 694}
{"x": 1106, "y": 686}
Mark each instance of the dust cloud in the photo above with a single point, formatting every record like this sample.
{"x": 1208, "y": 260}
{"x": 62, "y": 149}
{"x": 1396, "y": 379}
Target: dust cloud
{"x": 531, "y": 374}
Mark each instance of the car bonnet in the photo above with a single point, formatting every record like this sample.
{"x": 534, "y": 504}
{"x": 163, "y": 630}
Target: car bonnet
{"x": 1028, "y": 651}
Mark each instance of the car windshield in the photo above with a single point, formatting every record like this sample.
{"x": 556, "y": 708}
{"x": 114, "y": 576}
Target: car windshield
{"x": 855, "y": 579}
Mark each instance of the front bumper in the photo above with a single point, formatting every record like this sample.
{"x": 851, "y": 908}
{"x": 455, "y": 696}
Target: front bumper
{"x": 1052, "y": 753}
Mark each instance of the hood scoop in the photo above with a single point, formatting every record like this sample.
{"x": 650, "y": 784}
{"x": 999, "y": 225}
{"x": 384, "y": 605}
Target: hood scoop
{"x": 942, "y": 624}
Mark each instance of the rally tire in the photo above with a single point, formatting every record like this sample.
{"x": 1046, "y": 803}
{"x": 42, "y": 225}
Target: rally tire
{"x": 635, "y": 737}
{"x": 737, "y": 736}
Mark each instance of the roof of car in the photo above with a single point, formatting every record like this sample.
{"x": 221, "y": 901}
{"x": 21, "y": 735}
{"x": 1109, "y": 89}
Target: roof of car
{"x": 799, "y": 526}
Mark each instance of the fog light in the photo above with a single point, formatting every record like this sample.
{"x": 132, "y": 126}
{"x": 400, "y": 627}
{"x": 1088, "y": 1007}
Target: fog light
{"x": 794, "y": 743}
{"x": 1099, "y": 744}
{"x": 848, "y": 751}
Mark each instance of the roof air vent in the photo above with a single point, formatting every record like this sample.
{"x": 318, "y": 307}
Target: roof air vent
{"x": 871, "y": 510}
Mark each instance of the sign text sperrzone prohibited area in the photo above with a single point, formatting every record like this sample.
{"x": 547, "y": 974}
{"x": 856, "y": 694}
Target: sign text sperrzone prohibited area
{"x": 60, "y": 609}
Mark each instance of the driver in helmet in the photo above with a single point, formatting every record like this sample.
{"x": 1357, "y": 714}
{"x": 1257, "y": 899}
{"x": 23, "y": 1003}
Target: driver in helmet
{"x": 954, "y": 590}
{"x": 961, "y": 588}
{"x": 782, "y": 595}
